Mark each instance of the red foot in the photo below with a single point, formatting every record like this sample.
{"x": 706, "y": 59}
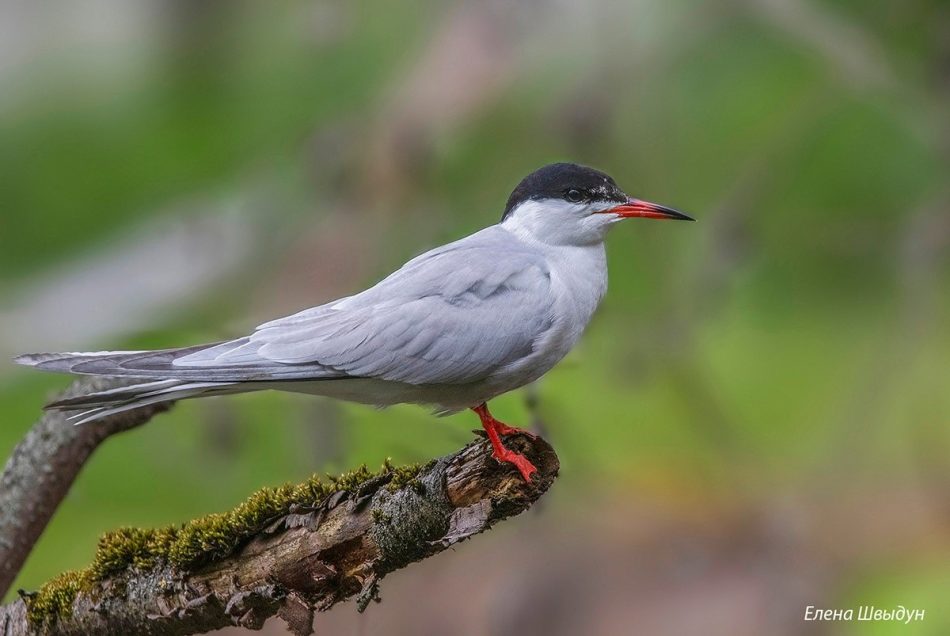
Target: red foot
{"x": 503, "y": 429}
{"x": 524, "y": 466}
{"x": 495, "y": 429}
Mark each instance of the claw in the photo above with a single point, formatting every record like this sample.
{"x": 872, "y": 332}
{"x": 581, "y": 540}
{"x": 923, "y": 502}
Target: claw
{"x": 524, "y": 466}
{"x": 495, "y": 430}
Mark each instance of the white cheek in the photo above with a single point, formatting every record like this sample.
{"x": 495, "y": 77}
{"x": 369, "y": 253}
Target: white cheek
{"x": 558, "y": 222}
{"x": 599, "y": 221}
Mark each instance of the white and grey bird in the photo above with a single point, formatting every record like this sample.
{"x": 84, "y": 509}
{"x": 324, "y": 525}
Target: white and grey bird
{"x": 452, "y": 328}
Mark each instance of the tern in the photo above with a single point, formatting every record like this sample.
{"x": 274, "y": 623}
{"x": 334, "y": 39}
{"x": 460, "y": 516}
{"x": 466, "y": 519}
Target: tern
{"x": 450, "y": 329}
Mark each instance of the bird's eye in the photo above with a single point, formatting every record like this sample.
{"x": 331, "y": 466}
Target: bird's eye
{"x": 574, "y": 195}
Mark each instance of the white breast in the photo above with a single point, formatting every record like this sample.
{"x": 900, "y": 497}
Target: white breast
{"x": 578, "y": 283}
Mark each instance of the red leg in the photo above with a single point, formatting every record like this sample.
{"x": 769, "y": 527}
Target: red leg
{"x": 503, "y": 429}
{"x": 495, "y": 430}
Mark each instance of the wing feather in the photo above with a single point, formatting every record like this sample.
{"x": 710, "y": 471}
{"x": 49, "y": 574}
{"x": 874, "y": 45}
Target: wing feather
{"x": 455, "y": 316}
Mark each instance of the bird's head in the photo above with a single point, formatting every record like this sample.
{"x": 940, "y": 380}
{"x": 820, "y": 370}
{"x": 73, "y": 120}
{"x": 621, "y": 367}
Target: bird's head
{"x": 568, "y": 204}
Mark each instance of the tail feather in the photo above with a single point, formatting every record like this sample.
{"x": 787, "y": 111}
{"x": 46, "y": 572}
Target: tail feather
{"x": 162, "y": 376}
{"x": 143, "y": 364}
{"x": 201, "y": 364}
{"x": 101, "y": 404}
{"x": 111, "y": 396}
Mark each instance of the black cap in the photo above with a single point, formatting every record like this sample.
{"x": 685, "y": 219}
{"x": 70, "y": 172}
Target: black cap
{"x": 567, "y": 181}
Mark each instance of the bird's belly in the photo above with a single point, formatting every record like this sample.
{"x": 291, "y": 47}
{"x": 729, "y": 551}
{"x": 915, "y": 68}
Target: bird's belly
{"x": 444, "y": 398}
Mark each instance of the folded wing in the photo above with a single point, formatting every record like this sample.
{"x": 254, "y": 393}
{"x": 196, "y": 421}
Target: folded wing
{"x": 454, "y": 315}
{"x": 451, "y": 316}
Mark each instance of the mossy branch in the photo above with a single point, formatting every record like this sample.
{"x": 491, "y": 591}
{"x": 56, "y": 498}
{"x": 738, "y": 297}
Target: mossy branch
{"x": 43, "y": 467}
{"x": 288, "y": 551}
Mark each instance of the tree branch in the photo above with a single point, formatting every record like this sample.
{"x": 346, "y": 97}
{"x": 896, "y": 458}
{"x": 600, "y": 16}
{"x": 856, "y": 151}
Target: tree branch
{"x": 309, "y": 557}
{"x": 42, "y": 468}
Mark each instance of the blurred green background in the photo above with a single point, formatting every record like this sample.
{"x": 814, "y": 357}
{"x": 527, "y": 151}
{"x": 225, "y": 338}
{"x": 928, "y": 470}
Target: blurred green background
{"x": 757, "y": 419}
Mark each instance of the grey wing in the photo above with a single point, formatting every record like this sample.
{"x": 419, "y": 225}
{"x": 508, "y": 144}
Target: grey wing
{"x": 454, "y": 317}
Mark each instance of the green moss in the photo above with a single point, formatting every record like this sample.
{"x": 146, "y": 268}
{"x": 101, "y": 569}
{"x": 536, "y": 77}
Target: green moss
{"x": 404, "y": 476}
{"x": 197, "y": 542}
{"x": 136, "y": 547}
{"x": 55, "y": 599}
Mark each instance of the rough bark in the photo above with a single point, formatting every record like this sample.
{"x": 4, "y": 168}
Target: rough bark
{"x": 312, "y": 557}
{"x": 42, "y": 468}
